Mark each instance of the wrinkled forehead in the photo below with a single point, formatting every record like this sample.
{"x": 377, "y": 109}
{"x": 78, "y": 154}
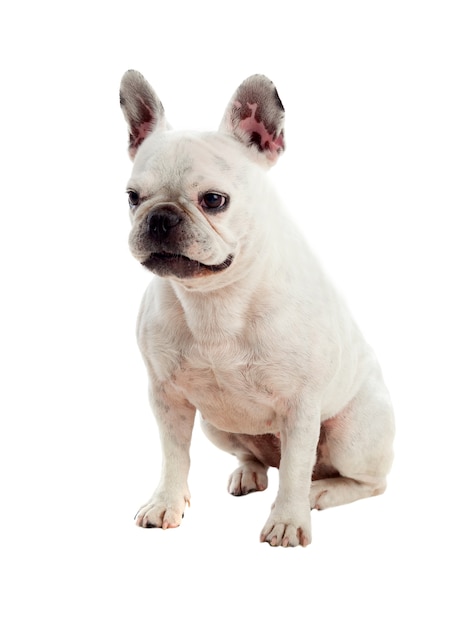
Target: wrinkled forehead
{"x": 180, "y": 159}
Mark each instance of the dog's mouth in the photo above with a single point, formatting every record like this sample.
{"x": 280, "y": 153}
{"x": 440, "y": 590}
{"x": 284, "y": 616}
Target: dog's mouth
{"x": 166, "y": 264}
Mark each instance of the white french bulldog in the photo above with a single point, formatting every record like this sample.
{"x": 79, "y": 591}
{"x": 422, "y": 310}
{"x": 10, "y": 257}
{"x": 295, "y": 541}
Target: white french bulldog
{"x": 241, "y": 324}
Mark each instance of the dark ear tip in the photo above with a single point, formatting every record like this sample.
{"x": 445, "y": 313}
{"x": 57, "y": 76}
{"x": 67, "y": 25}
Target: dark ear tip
{"x": 278, "y": 100}
{"x": 127, "y": 74}
{"x": 257, "y": 81}
{"x": 132, "y": 77}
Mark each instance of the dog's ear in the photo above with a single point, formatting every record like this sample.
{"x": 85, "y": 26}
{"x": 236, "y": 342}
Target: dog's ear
{"x": 142, "y": 109}
{"x": 255, "y": 115}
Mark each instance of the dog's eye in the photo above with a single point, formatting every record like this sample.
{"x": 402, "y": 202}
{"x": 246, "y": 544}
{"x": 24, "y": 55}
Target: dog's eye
{"x": 133, "y": 198}
{"x": 214, "y": 202}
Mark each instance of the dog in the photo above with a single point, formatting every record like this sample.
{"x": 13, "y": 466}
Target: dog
{"x": 241, "y": 324}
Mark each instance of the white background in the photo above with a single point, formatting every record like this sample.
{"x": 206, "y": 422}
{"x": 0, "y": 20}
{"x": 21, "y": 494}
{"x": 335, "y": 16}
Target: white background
{"x": 373, "y": 173}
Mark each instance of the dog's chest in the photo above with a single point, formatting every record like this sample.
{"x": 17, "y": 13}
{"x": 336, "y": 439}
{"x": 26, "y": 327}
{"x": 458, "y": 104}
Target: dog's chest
{"x": 237, "y": 398}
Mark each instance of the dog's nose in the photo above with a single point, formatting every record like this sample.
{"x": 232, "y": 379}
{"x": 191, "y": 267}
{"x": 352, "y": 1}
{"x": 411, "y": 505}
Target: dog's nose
{"x": 162, "y": 220}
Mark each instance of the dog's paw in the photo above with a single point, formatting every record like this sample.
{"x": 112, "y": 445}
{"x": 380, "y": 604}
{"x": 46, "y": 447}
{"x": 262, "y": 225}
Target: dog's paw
{"x": 161, "y": 512}
{"x": 287, "y": 531}
{"x": 248, "y": 477}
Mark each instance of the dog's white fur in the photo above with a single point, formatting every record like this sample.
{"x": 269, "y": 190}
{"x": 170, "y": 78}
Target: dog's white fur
{"x": 265, "y": 349}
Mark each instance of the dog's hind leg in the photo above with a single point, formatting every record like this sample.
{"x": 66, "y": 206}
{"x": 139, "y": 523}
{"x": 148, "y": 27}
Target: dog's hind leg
{"x": 357, "y": 447}
{"x": 255, "y": 453}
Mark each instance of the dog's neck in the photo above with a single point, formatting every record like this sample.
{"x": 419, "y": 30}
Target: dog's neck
{"x": 218, "y": 315}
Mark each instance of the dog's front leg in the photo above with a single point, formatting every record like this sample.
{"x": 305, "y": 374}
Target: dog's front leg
{"x": 175, "y": 417}
{"x": 289, "y": 523}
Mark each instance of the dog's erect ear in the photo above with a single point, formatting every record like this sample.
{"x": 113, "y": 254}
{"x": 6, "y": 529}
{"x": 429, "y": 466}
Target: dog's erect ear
{"x": 255, "y": 115}
{"x": 142, "y": 109}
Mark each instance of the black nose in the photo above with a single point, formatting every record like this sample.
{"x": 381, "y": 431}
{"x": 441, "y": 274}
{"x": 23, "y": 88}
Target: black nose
{"x": 162, "y": 220}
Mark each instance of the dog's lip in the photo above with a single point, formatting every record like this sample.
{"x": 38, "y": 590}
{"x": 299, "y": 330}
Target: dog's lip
{"x": 165, "y": 263}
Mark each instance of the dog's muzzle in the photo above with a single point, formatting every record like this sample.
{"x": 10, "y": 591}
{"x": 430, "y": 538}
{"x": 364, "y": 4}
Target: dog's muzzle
{"x": 166, "y": 235}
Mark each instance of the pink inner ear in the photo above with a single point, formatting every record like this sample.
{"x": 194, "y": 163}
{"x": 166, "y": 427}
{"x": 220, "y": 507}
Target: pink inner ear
{"x": 142, "y": 130}
{"x": 138, "y": 135}
{"x": 253, "y": 127}
{"x": 142, "y": 125}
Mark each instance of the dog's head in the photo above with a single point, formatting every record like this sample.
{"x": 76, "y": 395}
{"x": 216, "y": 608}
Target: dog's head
{"x": 192, "y": 195}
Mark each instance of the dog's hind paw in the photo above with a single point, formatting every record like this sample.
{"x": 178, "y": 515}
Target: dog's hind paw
{"x": 248, "y": 477}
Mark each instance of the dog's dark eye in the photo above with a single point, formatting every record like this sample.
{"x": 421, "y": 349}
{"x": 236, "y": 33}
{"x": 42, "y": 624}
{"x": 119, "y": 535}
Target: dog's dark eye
{"x": 214, "y": 202}
{"x": 133, "y": 198}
